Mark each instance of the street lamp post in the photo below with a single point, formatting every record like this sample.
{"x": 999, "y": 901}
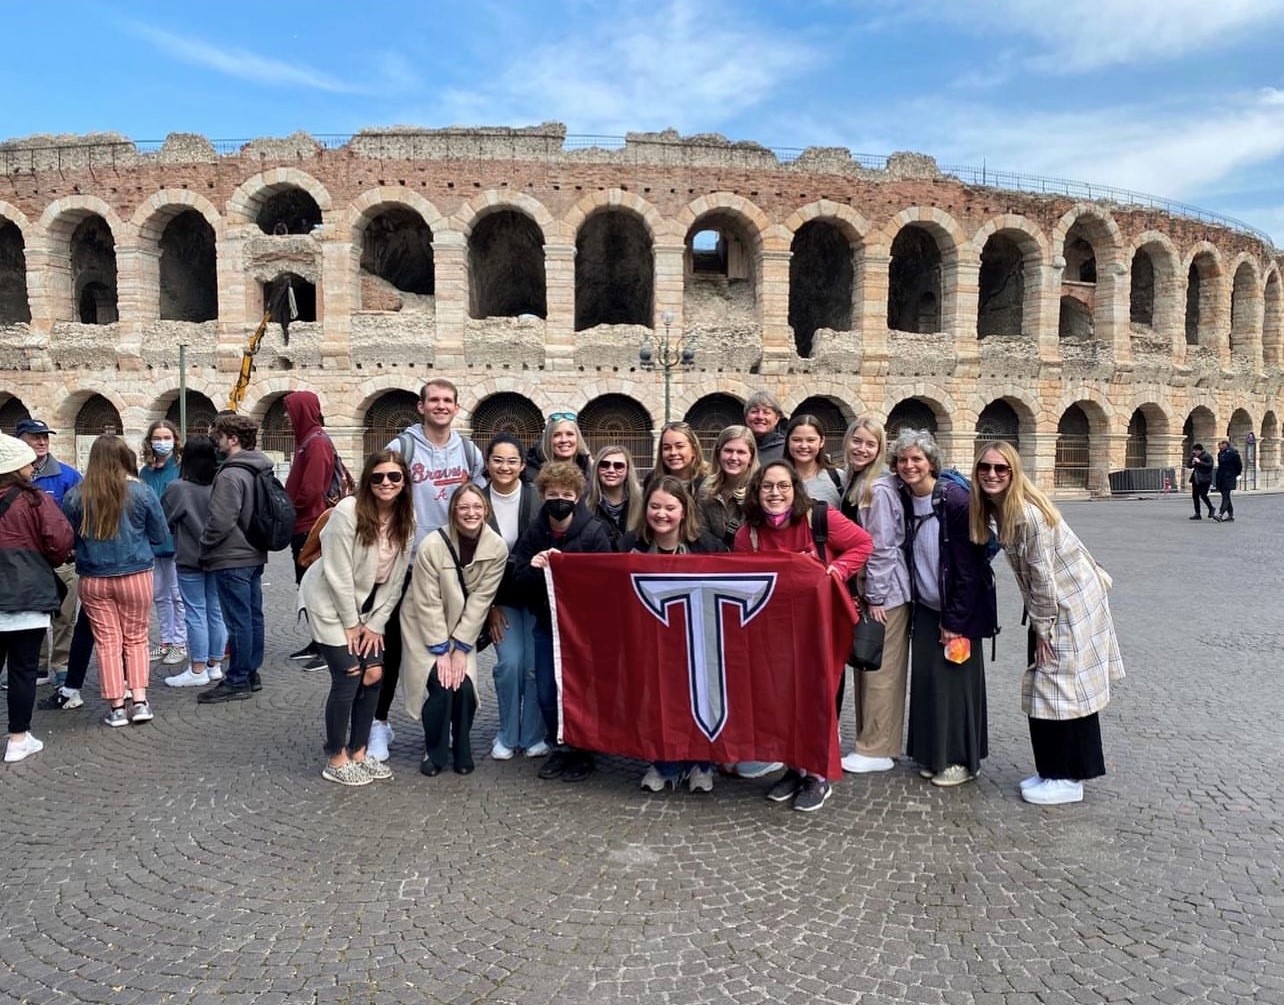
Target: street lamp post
{"x": 669, "y": 356}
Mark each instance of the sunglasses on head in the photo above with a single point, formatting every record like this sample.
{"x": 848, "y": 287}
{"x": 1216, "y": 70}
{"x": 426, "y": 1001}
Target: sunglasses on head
{"x": 377, "y": 477}
{"x": 613, "y": 465}
{"x": 562, "y": 416}
{"x": 984, "y": 467}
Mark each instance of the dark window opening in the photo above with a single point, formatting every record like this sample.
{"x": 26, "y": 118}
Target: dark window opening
{"x": 821, "y": 276}
{"x": 1241, "y": 307}
{"x": 711, "y": 415}
{"x": 289, "y": 211}
{"x": 1081, "y": 260}
{"x": 914, "y": 282}
{"x": 93, "y": 271}
{"x": 1072, "y": 458}
{"x": 15, "y": 308}
{"x": 305, "y": 295}
{"x": 396, "y": 246}
{"x": 507, "y": 412}
{"x": 276, "y": 435}
{"x": 12, "y": 412}
{"x": 998, "y": 421}
{"x": 910, "y": 414}
{"x": 200, "y": 413}
{"x": 388, "y": 417}
{"x": 614, "y": 272}
{"x": 97, "y": 417}
{"x": 1075, "y": 323}
{"x": 1136, "y": 449}
{"x": 188, "y": 269}
{"x": 1001, "y": 293}
{"x": 1141, "y": 298}
{"x": 506, "y": 267}
{"x": 618, "y": 420}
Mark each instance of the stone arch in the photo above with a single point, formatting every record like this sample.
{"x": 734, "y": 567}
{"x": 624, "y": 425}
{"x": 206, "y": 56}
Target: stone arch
{"x": 618, "y": 419}
{"x": 824, "y": 279}
{"x": 507, "y": 412}
{"x": 999, "y": 420}
{"x": 276, "y": 434}
{"x": 159, "y": 208}
{"x": 1245, "y": 306}
{"x": 1099, "y": 228}
{"x": 1200, "y": 427}
{"x": 1087, "y": 245}
{"x": 658, "y": 228}
{"x": 713, "y": 413}
{"x": 1268, "y": 443}
{"x": 1155, "y": 284}
{"x": 614, "y": 269}
{"x": 1146, "y": 443}
{"x": 506, "y": 269}
{"x": 1013, "y": 250}
{"x": 201, "y": 410}
{"x": 756, "y": 223}
{"x": 370, "y": 203}
{"x": 12, "y": 411}
{"x": 1079, "y": 456}
{"x": 834, "y": 415}
{"x": 722, "y": 261}
{"x": 391, "y": 231}
{"x": 1205, "y": 275}
{"x": 95, "y": 415}
{"x": 82, "y": 260}
{"x": 923, "y": 246}
{"x": 1272, "y": 318}
{"x": 1240, "y": 425}
{"x": 917, "y": 412}
{"x": 386, "y": 416}
{"x": 15, "y": 304}
{"x": 247, "y": 201}
{"x": 476, "y": 209}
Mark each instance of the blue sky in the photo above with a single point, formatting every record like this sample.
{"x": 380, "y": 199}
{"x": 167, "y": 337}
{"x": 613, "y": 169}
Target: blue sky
{"x": 1180, "y": 98}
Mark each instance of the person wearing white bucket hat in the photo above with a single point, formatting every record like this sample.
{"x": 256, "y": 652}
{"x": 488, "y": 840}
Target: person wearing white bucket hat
{"x": 34, "y": 537}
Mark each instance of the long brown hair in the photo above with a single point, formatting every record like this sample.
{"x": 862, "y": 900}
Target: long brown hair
{"x": 689, "y": 532}
{"x": 1008, "y": 513}
{"x": 401, "y": 522}
{"x": 106, "y": 487}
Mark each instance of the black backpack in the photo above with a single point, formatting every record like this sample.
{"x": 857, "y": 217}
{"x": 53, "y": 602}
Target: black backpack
{"x": 272, "y": 518}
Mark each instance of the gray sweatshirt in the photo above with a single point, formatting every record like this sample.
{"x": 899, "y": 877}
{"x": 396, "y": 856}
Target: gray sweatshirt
{"x": 435, "y": 473}
{"x": 187, "y": 507}
{"x": 223, "y": 542}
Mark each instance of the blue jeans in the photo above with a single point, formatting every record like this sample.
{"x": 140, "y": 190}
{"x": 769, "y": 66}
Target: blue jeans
{"x": 206, "y": 633}
{"x": 545, "y": 679}
{"x": 240, "y": 592}
{"x": 521, "y": 725}
{"x": 169, "y": 604}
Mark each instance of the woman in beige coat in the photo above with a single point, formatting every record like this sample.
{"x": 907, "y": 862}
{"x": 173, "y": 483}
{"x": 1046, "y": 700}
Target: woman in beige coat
{"x": 456, "y": 576}
{"x": 349, "y": 594}
{"x": 1073, "y": 655}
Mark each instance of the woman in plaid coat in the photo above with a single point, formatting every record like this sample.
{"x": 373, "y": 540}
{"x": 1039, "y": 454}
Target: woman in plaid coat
{"x": 1073, "y": 652}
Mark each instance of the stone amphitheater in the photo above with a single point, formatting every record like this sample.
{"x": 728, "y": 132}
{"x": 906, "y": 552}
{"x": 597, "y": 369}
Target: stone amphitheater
{"x": 1105, "y": 335}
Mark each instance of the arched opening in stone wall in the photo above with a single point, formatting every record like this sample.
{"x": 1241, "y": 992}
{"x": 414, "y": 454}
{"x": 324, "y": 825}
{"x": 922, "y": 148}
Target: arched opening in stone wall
{"x": 93, "y": 271}
{"x": 618, "y": 420}
{"x": 506, "y": 267}
{"x": 289, "y": 210}
{"x": 711, "y": 415}
{"x": 1240, "y": 425}
{"x": 387, "y": 417}
{"x": 396, "y": 247}
{"x": 12, "y": 412}
{"x": 95, "y": 418}
{"x": 276, "y": 435}
{"x": 507, "y": 412}
{"x": 822, "y": 277}
{"x": 188, "y": 269}
{"x": 834, "y": 416}
{"x": 1136, "y": 449}
{"x": 15, "y": 308}
{"x": 1073, "y": 454}
{"x": 999, "y": 421}
{"x": 911, "y": 413}
{"x": 201, "y": 413}
{"x": 1268, "y": 444}
{"x": 1080, "y": 255}
{"x": 1001, "y": 295}
{"x": 1273, "y": 321}
{"x": 614, "y": 271}
{"x": 1200, "y": 427}
{"x": 305, "y": 295}
{"x": 1075, "y": 322}
{"x": 1141, "y": 295}
{"x": 720, "y": 283}
{"x": 1242, "y": 313}
{"x": 914, "y": 282}
{"x": 1201, "y": 300}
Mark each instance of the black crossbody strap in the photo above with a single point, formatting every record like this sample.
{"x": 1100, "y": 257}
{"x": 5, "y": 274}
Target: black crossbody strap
{"x": 454, "y": 557}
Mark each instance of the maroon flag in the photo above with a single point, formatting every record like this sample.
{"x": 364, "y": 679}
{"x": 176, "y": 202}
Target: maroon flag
{"x": 700, "y": 657}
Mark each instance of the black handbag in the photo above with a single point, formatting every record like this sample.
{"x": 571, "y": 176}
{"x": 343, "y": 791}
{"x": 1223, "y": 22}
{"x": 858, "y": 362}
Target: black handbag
{"x": 867, "y": 642}
{"x": 483, "y": 640}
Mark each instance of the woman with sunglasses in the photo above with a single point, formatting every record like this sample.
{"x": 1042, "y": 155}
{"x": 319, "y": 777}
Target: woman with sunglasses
{"x": 778, "y": 517}
{"x": 679, "y": 454}
{"x": 805, "y": 449}
{"x": 514, "y": 506}
{"x": 349, "y": 594}
{"x": 1072, "y": 652}
{"x": 871, "y": 499}
{"x": 560, "y": 441}
{"x": 614, "y": 495}
{"x": 722, "y": 496}
{"x": 952, "y": 586}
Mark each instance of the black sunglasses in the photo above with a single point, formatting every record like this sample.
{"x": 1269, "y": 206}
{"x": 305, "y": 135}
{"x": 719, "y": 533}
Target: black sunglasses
{"x": 613, "y": 465}
{"x": 377, "y": 477}
{"x": 985, "y": 468}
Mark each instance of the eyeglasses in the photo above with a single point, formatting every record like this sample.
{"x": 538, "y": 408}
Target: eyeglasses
{"x": 985, "y": 468}
{"x": 613, "y": 465}
{"x": 784, "y": 488}
{"x": 377, "y": 477}
{"x": 562, "y": 416}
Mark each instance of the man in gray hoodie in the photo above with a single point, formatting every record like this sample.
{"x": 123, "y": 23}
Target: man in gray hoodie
{"x": 440, "y": 460}
{"x": 237, "y": 565}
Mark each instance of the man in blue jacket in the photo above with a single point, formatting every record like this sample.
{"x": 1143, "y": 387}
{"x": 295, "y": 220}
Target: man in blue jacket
{"x": 56, "y": 478}
{"x": 1229, "y": 468}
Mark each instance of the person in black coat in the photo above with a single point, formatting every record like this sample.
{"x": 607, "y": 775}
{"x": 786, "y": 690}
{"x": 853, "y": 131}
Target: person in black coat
{"x": 1229, "y": 468}
{"x": 564, "y": 524}
{"x": 1201, "y": 477}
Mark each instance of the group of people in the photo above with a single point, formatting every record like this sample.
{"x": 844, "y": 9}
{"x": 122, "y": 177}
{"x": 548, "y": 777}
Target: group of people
{"x": 440, "y": 549}
{"x": 1203, "y": 477}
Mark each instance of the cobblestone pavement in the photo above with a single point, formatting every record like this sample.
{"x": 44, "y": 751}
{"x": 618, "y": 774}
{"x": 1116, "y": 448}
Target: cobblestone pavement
{"x": 202, "y": 859}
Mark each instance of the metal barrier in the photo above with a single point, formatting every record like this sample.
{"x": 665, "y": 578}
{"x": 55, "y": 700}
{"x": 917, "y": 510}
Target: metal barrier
{"x": 1139, "y": 481}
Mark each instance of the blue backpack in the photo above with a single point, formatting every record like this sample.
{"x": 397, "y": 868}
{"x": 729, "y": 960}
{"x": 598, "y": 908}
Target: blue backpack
{"x": 957, "y": 477}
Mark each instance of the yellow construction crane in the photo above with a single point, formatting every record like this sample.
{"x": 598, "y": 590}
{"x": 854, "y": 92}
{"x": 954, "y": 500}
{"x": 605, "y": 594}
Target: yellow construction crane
{"x": 282, "y": 308}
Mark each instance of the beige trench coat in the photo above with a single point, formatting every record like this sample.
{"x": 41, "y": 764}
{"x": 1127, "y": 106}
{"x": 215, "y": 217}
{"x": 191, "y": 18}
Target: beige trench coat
{"x": 434, "y": 609}
{"x": 1065, "y": 593}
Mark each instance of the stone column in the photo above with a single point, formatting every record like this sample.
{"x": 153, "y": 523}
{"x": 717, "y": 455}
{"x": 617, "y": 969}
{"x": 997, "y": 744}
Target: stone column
{"x": 338, "y": 286}
{"x": 137, "y": 302}
{"x": 450, "y": 283}
{"x": 1049, "y": 277}
{"x": 559, "y": 329}
{"x": 967, "y": 288}
{"x": 874, "y": 338}
{"x": 669, "y": 285}
{"x": 778, "y": 350}
{"x": 1039, "y": 455}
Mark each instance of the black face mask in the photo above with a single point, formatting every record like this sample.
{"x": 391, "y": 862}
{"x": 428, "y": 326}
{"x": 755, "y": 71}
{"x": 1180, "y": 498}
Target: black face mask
{"x": 559, "y": 509}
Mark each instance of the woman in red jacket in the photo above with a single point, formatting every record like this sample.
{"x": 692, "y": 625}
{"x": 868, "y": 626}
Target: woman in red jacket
{"x": 778, "y": 517}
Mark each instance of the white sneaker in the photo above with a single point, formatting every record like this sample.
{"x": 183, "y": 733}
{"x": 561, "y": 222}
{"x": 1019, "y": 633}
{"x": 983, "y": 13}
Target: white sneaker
{"x": 1054, "y": 792}
{"x": 955, "y": 774}
{"x": 859, "y": 764}
{"x": 158, "y": 652}
{"x": 700, "y": 780}
{"x": 539, "y": 750}
{"x": 1032, "y": 780}
{"x": 499, "y": 752}
{"x": 757, "y": 769}
{"x": 188, "y": 678}
{"x": 214, "y": 673}
{"x": 381, "y": 735}
{"x": 15, "y": 752}
{"x": 175, "y": 656}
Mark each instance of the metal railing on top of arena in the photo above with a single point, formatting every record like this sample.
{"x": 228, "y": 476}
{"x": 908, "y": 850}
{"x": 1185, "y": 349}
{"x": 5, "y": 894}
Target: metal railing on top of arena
{"x": 10, "y": 154}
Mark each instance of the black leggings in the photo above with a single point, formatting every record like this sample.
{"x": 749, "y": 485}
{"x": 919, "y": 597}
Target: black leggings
{"x": 82, "y": 648}
{"x": 350, "y": 707}
{"x": 448, "y": 721}
{"x": 21, "y": 649}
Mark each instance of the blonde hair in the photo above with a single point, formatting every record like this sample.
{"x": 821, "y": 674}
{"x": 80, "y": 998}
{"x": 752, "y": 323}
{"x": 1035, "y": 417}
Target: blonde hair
{"x": 1008, "y": 512}
{"x": 546, "y": 441}
{"x": 717, "y": 483}
{"x": 699, "y": 468}
{"x": 860, "y": 485}
{"x": 632, "y": 487}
